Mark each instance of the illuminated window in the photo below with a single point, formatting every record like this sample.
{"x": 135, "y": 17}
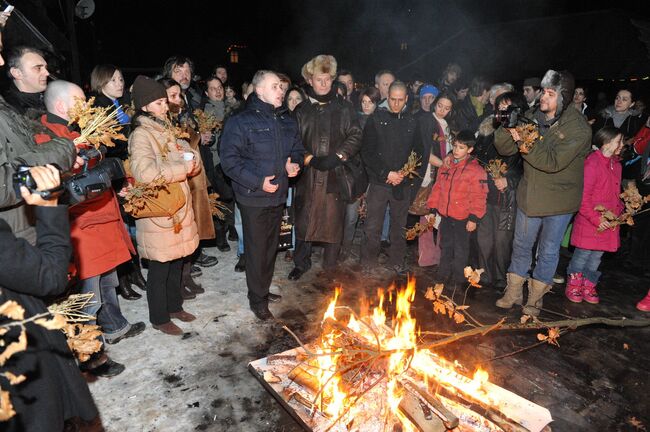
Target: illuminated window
{"x": 234, "y": 56}
{"x": 404, "y": 46}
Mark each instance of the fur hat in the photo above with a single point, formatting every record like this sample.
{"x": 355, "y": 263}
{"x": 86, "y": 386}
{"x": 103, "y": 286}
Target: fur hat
{"x": 320, "y": 64}
{"x": 429, "y": 89}
{"x": 563, "y": 83}
{"x": 146, "y": 90}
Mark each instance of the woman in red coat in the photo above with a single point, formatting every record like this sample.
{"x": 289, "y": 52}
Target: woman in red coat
{"x": 591, "y": 236}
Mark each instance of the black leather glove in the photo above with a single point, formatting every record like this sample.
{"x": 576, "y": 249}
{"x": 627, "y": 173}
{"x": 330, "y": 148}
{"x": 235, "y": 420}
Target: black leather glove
{"x": 325, "y": 163}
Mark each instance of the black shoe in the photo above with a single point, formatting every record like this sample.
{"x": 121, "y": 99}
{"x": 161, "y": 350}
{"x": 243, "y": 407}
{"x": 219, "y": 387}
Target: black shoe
{"x": 241, "y": 264}
{"x": 136, "y": 278}
{"x": 193, "y": 286}
{"x": 296, "y": 274}
{"x": 274, "y": 298}
{"x": 206, "y": 260}
{"x": 108, "y": 369}
{"x": 124, "y": 289}
{"x": 135, "y": 330}
{"x": 195, "y": 271}
{"x": 186, "y": 294}
{"x": 232, "y": 234}
{"x": 262, "y": 312}
{"x": 225, "y": 247}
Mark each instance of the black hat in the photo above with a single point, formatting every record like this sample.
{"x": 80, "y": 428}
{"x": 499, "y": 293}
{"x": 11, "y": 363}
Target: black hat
{"x": 563, "y": 83}
{"x": 533, "y": 82}
{"x": 146, "y": 90}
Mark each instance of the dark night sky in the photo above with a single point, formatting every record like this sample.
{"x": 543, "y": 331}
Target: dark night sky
{"x": 364, "y": 35}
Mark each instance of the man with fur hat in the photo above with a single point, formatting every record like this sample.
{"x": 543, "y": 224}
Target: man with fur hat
{"x": 550, "y": 191}
{"x": 331, "y": 135}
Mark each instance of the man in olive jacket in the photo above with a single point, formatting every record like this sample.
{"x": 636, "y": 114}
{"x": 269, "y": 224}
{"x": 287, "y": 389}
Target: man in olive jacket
{"x": 550, "y": 191}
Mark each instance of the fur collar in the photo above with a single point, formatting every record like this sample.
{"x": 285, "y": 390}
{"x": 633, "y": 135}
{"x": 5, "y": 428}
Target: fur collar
{"x": 487, "y": 126}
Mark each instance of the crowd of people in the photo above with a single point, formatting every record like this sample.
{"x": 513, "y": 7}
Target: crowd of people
{"x": 327, "y": 154}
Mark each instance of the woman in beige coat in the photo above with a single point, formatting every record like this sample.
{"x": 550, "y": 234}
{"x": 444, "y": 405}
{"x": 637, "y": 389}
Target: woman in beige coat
{"x": 154, "y": 152}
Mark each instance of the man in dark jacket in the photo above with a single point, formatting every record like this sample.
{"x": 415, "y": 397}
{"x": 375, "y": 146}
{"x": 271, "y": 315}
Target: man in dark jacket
{"x": 53, "y": 390}
{"x": 260, "y": 150}
{"x": 550, "y": 190}
{"x": 469, "y": 111}
{"x": 388, "y": 140}
{"x": 331, "y": 135}
{"x": 28, "y": 72}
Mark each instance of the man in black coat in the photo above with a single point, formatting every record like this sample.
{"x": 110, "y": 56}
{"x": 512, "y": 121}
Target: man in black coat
{"x": 388, "y": 140}
{"x": 54, "y": 390}
{"x": 260, "y": 150}
{"x": 28, "y": 72}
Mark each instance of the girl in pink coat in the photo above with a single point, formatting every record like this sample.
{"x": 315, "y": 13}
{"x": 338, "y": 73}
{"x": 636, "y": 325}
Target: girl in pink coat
{"x": 592, "y": 237}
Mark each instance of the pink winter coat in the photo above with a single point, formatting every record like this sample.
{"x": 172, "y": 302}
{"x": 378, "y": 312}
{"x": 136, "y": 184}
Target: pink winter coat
{"x": 155, "y": 236}
{"x": 602, "y": 186}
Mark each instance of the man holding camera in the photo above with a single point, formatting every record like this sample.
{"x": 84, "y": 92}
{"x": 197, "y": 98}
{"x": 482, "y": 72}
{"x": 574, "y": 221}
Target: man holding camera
{"x": 550, "y": 191}
{"x": 98, "y": 233}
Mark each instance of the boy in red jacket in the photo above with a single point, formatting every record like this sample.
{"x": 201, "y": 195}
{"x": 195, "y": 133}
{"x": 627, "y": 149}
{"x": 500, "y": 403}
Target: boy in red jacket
{"x": 458, "y": 196}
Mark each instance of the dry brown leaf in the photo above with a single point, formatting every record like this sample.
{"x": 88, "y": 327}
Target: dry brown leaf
{"x": 529, "y": 134}
{"x": 636, "y": 423}
{"x": 206, "y": 122}
{"x": 12, "y": 310}
{"x": 13, "y": 379}
{"x": 6, "y": 408}
{"x": 83, "y": 339}
{"x": 56, "y": 323}
{"x": 459, "y": 318}
{"x": 418, "y": 229}
{"x": 473, "y": 276}
{"x": 626, "y": 346}
{"x": 14, "y": 347}
{"x": 410, "y": 167}
{"x": 496, "y": 168}
{"x": 551, "y": 338}
{"x": 98, "y": 125}
{"x": 429, "y": 295}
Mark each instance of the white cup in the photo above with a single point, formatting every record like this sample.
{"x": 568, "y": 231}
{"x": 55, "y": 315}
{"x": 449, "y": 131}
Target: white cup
{"x": 188, "y": 156}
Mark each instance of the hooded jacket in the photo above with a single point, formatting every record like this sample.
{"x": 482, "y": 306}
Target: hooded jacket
{"x": 256, "y": 143}
{"x": 553, "y": 170}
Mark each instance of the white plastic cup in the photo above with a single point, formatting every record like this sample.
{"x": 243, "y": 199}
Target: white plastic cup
{"x": 188, "y": 156}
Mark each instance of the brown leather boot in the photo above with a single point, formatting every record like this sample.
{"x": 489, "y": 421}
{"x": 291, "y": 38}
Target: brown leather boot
{"x": 169, "y": 328}
{"x": 183, "y": 316}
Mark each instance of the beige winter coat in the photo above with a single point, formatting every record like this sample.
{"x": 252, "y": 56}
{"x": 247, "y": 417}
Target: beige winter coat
{"x": 155, "y": 236}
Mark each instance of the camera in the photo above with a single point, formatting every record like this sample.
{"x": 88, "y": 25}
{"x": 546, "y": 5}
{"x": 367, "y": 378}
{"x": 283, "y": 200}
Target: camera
{"x": 75, "y": 188}
{"x": 509, "y": 117}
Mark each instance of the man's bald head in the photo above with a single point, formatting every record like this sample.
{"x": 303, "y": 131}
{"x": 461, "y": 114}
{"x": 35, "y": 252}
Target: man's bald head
{"x": 60, "y": 96}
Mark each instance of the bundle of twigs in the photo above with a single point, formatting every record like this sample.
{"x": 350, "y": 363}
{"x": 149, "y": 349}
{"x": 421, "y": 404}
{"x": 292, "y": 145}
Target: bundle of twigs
{"x": 633, "y": 201}
{"x": 206, "y": 122}
{"x": 71, "y": 308}
{"x": 83, "y": 339}
{"x": 362, "y": 211}
{"x": 410, "y": 167}
{"x": 98, "y": 125}
{"x": 496, "y": 168}
{"x": 418, "y": 229}
{"x": 529, "y": 134}
{"x": 138, "y": 195}
{"x": 218, "y": 208}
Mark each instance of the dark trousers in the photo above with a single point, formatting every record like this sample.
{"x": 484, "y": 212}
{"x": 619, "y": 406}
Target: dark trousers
{"x": 261, "y": 226}
{"x": 454, "y": 245}
{"x": 494, "y": 246}
{"x": 377, "y": 199}
{"x": 164, "y": 289}
{"x": 302, "y": 254}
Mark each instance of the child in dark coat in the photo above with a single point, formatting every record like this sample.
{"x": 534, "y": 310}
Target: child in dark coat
{"x": 459, "y": 197}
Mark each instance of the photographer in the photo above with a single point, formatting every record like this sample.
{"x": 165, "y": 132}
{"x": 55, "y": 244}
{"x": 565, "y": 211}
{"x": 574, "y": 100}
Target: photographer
{"x": 550, "y": 191}
{"x": 100, "y": 239}
{"x": 54, "y": 390}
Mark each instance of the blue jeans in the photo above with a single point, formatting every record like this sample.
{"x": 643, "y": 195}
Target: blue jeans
{"x": 586, "y": 261}
{"x": 240, "y": 232}
{"x": 551, "y": 231}
{"x": 385, "y": 229}
{"x": 104, "y": 304}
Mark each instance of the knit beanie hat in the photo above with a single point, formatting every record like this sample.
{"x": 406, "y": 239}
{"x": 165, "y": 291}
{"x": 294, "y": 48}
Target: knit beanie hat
{"x": 563, "y": 83}
{"x": 146, "y": 90}
{"x": 429, "y": 89}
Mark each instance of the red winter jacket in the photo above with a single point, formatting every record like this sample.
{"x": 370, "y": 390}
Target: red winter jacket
{"x": 99, "y": 238}
{"x": 641, "y": 140}
{"x": 460, "y": 191}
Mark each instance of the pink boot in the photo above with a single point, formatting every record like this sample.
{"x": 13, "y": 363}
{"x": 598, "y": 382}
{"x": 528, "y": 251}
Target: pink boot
{"x": 573, "y": 290}
{"x": 589, "y": 293}
{"x": 644, "y": 305}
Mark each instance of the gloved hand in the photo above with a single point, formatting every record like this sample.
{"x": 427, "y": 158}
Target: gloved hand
{"x": 325, "y": 163}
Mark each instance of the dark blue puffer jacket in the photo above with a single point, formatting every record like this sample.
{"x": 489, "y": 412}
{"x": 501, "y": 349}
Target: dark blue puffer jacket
{"x": 255, "y": 144}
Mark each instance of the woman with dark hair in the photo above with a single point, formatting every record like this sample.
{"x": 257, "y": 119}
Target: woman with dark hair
{"x": 435, "y": 137}
{"x": 295, "y": 95}
{"x": 620, "y": 115}
{"x": 496, "y": 230}
{"x": 369, "y": 98}
{"x": 107, "y": 85}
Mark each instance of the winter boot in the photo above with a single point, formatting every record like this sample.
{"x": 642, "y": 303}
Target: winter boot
{"x": 644, "y": 305}
{"x": 589, "y": 293}
{"x": 135, "y": 276}
{"x": 220, "y": 230}
{"x": 232, "y": 234}
{"x": 536, "y": 291}
{"x": 514, "y": 292}
{"x": 574, "y": 287}
{"x": 187, "y": 280}
{"x": 124, "y": 289}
